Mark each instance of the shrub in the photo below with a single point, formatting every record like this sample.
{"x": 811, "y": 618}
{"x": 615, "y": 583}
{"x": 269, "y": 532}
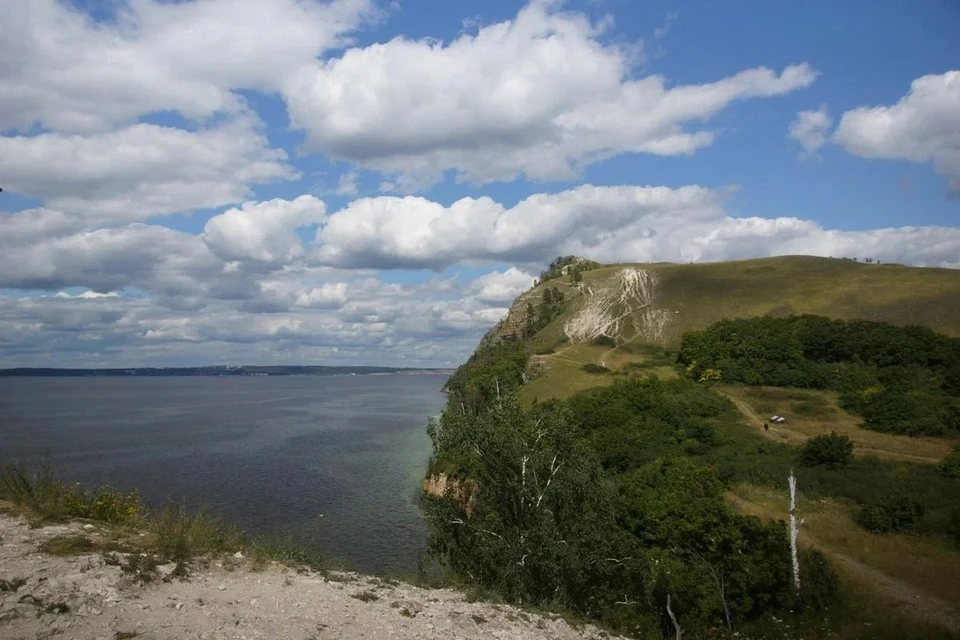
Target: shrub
{"x": 604, "y": 341}
{"x": 819, "y": 583}
{"x": 594, "y": 368}
{"x": 953, "y": 525}
{"x": 950, "y": 466}
{"x": 893, "y": 514}
{"x": 830, "y": 450}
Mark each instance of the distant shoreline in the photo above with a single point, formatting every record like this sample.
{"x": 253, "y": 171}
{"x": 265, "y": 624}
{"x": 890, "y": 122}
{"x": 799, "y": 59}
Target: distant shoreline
{"x": 218, "y": 371}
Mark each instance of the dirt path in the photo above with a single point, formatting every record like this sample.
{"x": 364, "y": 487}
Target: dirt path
{"x": 781, "y": 433}
{"x": 912, "y": 601}
{"x": 84, "y": 596}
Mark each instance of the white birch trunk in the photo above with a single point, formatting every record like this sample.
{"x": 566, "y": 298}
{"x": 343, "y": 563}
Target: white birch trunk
{"x": 794, "y": 526}
{"x": 673, "y": 619}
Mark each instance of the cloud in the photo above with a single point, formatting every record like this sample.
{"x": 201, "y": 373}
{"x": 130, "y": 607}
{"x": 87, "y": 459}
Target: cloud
{"x": 501, "y": 288}
{"x": 811, "y": 129}
{"x": 63, "y": 71}
{"x": 923, "y": 126}
{"x": 263, "y": 231}
{"x": 623, "y": 223}
{"x": 540, "y": 95}
{"x": 413, "y": 232}
{"x": 246, "y": 292}
{"x": 152, "y": 258}
{"x": 142, "y": 170}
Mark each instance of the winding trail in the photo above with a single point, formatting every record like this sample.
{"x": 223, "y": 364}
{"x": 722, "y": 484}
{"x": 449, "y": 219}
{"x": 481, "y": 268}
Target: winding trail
{"x": 909, "y": 599}
{"x": 799, "y": 438}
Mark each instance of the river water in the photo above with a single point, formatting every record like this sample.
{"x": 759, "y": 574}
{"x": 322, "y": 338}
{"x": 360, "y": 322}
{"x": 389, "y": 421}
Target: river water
{"x": 269, "y": 453}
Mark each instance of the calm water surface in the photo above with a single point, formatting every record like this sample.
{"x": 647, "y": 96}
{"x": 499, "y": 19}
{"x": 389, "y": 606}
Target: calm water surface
{"x": 269, "y": 453}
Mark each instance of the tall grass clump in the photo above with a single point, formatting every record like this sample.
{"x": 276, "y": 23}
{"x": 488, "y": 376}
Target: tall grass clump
{"x": 172, "y": 533}
{"x": 49, "y": 496}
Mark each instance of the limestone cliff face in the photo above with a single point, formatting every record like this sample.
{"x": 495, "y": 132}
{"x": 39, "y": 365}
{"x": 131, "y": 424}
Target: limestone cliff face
{"x": 440, "y": 485}
{"x": 515, "y": 320}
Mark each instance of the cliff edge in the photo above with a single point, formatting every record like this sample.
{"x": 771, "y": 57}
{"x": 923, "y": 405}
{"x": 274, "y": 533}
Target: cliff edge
{"x": 87, "y": 595}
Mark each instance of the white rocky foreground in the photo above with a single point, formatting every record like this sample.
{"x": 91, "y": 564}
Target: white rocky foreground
{"x": 83, "y": 597}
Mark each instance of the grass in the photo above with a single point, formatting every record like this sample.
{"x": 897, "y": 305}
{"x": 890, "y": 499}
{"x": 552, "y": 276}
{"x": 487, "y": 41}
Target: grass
{"x": 925, "y": 562}
{"x": 139, "y": 537}
{"x": 810, "y": 413}
{"x": 698, "y": 295}
{"x": 70, "y": 545}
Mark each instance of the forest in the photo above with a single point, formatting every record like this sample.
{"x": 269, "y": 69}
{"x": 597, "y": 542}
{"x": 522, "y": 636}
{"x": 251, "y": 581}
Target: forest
{"x": 610, "y": 504}
{"x": 903, "y": 380}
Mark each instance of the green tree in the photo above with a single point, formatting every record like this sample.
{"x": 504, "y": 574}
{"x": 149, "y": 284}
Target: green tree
{"x": 827, "y": 450}
{"x": 542, "y": 524}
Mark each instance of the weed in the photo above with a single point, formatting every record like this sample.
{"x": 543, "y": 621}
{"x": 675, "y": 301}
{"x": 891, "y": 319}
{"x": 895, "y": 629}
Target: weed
{"x": 45, "y": 493}
{"x": 12, "y": 585}
{"x": 285, "y": 551}
{"x": 72, "y": 545}
{"x": 478, "y": 619}
{"x": 179, "y": 535}
{"x": 142, "y": 567}
{"x": 365, "y": 596}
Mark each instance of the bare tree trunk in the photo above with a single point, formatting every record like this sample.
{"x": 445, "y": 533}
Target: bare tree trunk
{"x": 794, "y": 526}
{"x": 673, "y": 619}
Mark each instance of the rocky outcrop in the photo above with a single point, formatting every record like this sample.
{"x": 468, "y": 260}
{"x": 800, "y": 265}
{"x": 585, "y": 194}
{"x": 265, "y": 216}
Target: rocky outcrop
{"x": 440, "y": 485}
{"x": 84, "y": 596}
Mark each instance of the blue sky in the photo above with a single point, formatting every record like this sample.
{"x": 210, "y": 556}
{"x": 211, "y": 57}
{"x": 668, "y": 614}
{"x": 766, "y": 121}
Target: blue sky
{"x": 230, "y": 181}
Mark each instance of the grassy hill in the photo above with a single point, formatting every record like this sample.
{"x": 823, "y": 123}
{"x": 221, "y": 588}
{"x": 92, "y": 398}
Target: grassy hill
{"x": 886, "y": 518}
{"x": 624, "y": 316}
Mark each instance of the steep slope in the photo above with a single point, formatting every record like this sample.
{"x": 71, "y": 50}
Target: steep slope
{"x": 619, "y": 315}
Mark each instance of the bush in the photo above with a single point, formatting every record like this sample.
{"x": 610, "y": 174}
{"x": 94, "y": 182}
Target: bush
{"x": 896, "y": 513}
{"x": 819, "y": 583}
{"x": 594, "y": 368}
{"x": 953, "y": 525}
{"x": 831, "y": 450}
{"x": 950, "y": 466}
{"x": 604, "y": 341}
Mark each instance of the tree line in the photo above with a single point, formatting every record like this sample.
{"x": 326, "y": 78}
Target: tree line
{"x": 595, "y": 505}
{"x": 903, "y": 380}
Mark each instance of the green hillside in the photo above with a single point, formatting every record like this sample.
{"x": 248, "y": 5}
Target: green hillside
{"x": 579, "y": 485}
{"x": 645, "y": 308}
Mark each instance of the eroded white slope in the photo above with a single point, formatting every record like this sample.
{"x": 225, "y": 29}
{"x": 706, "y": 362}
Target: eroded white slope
{"x": 628, "y": 299}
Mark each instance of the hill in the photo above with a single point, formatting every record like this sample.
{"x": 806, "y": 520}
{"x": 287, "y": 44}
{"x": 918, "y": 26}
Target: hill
{"x": 624, "y": 315}
{"x": 559, "y": 461}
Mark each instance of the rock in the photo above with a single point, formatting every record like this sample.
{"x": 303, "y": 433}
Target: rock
{"x": 221, "y": 587}
{"x": 165, "y": 571}
{"x": 88, "y": 527}
{"x": 238, "y": 555}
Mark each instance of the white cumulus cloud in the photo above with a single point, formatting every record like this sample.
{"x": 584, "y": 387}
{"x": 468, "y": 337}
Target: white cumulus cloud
{"x": 922, "y": 127}
{"x": 263, "y": 231}
{"x": 539, "y": 95}
{"x": 142, "y": 170}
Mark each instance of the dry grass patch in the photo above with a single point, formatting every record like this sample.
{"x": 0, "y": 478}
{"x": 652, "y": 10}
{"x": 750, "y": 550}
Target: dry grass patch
{"x": 810, "y": 413}
{"x": 924, "y": 562}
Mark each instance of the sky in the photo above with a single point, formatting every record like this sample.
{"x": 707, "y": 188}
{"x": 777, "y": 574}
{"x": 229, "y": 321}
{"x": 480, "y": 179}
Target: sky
{"x": 202, "y": 182}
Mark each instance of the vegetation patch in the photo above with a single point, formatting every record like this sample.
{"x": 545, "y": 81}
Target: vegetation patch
{"x": 365, "y": 596}
{"x": 902, "y": 380}
{"x": 891, "y": 514}
{"x": 594, "y": 368}
{"x": 832, "y": 451}
{"x": 950, "y": 466}
{"x": 71, "y": 545}
{"x": 171, "y": 533}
